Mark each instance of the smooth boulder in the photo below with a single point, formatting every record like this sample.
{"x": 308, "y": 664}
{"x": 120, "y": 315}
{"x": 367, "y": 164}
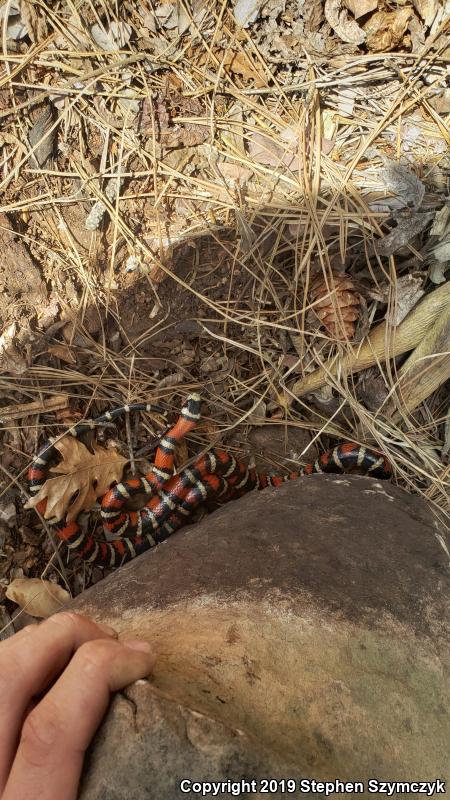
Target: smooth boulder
{"x": 300, "y": 632}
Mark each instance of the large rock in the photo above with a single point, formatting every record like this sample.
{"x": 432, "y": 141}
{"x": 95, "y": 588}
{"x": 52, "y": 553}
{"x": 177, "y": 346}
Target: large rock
{"x": 301, "y": 632}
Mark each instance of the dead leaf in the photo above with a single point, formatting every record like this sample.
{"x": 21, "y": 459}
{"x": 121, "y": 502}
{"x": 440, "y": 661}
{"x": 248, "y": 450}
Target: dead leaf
{"x": 63, "y": 352}
{"x": 82, "y": 477}
{"x": 233, "y": 173}
{"x": 266, "y": 150}
{"x": 385, "y": 30}
{"x": 403, "y": 183}
{"x": 240, "y": 64}
{"x": 427, "y": 9}
{"x": 343, "y": 25}
{"x": 8, "y": 514}
{"x": 15, "y": 28}
{"x": 73, "y": 34}
{"x": 409, "y": 292}
{"x": 258, "y": 413}
{"x": 359, "y": 8}
{"x": 407, "y": 228}
{"x": 42, "y": 138}
{"x": 167, "y": 15}
{"x": 111, "y": 38}
{"x": 34, "y": 19}
{"x": 441, "y": 251}
{"x": 436, "y": 271}
{"x": 148, "y": 21}
{"x": 441, "y": 224}
{"x": 38, "y": 597}
{"x": 10, "y": 358}
{"x": 191, "y": 17}
{"x": 246, "y": 11}
{"x": 329, "y": 130}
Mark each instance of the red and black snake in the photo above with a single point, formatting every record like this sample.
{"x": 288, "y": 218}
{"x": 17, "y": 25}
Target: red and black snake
{"x": 216, "y": 475}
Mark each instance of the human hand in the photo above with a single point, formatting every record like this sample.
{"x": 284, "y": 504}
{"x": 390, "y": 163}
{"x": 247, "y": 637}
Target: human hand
{"x": 56, "y": 679}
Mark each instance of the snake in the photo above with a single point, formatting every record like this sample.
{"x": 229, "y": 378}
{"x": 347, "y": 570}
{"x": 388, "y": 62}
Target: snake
{"x": 173, "y": 498}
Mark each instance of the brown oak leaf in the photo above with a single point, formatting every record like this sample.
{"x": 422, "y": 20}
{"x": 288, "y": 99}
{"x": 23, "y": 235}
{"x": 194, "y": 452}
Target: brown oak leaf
{"x": 385, "y": 30}
{"x": 82, "y": 476}
{"x": 37, "y": 597}
{"x": 241, "y": 64}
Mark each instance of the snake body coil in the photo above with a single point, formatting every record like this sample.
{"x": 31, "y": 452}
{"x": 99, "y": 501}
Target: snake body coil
{"x": 216, "y": 475}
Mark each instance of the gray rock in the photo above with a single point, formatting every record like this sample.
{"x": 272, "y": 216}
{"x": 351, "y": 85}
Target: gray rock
{"x": 166, "y": 742}
{"x": 300, "y": 632}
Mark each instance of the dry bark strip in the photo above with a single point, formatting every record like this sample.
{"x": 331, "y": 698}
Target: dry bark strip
{"x": 19, "y": 410}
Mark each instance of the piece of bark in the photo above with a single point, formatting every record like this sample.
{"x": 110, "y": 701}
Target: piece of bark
{"x": 19, "y": 410}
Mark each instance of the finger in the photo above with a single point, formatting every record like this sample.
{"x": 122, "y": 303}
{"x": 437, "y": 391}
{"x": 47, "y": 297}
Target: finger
{"x": 57, "y": 732}
{"x": 29, "y": 662}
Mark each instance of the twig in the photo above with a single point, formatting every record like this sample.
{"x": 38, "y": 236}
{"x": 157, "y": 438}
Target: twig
{"x": 130, "y": 444}
{"x": 19, "y": 410}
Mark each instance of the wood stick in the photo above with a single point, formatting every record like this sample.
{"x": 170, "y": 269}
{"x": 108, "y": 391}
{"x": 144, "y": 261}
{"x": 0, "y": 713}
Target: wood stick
{"x": 19, "y": 410}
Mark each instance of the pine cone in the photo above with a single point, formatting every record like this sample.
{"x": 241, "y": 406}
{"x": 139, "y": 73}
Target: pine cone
{"x": 339, "y": 307}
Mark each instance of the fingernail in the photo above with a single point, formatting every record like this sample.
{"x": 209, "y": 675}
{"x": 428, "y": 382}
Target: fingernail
{"x": 137, "y": 644}
{"x": 107, "y": 629}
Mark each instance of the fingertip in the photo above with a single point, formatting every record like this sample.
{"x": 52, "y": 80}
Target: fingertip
{"x": 66, "y": 617}
{"x": 82, "y": 621}
{"x": 142, "y": 652}
{"x": 137, "y": 644}
{"x": 113, "y": 664}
